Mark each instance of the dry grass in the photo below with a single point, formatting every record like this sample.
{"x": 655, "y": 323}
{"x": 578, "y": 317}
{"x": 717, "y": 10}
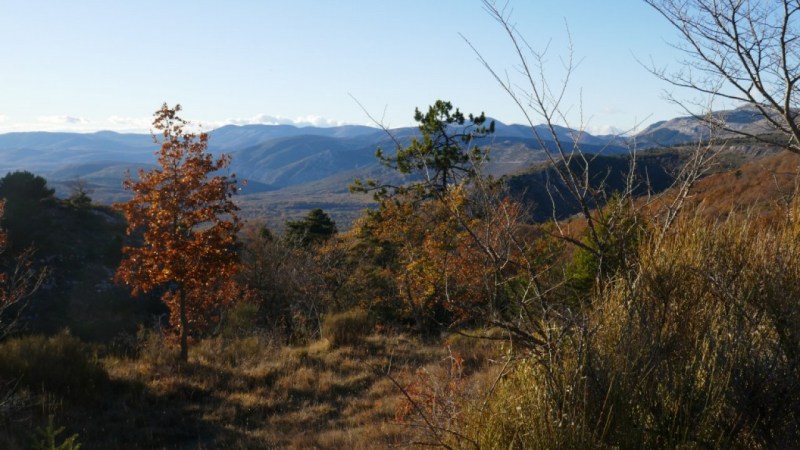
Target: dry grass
{"x": 697, "y": 346}
{"x": 248, "y": 392}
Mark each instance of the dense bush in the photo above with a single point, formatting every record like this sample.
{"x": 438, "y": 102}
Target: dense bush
{"x": 22, "y": 186}
{"x": 286, "y": 285}
{"x": 697, "y": 347}
{"x": 619, "y": 232}
{"x": 25, "y": 218}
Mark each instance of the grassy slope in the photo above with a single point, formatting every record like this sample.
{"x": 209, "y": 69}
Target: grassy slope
{"x": 251, "y": 392}
{"x": 248, "y": 393}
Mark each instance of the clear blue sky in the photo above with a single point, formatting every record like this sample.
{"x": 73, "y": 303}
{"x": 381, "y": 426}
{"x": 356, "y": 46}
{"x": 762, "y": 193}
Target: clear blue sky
{"x": 86, "y": 65}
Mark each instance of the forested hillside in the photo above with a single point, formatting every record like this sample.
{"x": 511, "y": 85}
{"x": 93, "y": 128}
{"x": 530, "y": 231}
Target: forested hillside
{"x": 394, "y": 331}
{"x": 461, "y": 283}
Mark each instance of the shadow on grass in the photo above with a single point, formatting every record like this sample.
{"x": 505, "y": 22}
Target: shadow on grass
{"x": 124, "y": 414}
{"x": 277, "y": 398}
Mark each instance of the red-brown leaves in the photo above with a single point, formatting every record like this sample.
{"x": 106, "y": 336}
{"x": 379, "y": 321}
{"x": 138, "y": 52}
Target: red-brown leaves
{"x": 445, "y": 257}
{"x": 190, "y": 224}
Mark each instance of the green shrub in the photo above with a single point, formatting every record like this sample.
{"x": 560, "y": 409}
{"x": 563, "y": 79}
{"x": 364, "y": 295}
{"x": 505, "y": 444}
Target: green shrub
{"x": 346, "y": 328}
{"x": 25, "y": 218}
{"x": 619, "y": 233}
{"x": 59, "y": 364}
{"x": 45, "y": 438}
{"x": 23, "y": 186}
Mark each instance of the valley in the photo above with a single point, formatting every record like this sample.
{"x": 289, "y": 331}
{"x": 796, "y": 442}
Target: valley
{"x": 289, "y": 170}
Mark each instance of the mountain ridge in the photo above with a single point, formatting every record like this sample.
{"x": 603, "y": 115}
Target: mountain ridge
{"x": 288, "y": 162}
{"x": 688, "y": 129}
{"x": 276, "y": 156}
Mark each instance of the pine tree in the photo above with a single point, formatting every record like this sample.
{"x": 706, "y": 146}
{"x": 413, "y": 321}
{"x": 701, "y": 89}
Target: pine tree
{"x": 315, "y": 228}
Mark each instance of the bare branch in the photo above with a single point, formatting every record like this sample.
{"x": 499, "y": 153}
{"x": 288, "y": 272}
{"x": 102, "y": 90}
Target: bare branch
{"x": 740, "y": 51}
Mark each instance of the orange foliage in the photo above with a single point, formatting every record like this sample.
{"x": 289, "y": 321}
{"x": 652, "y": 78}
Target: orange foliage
{"x": 189, "y": 225}
{"x": 764, "y": 187}
{"x": 435, "y": 394}
{"x": 447, "y": 258}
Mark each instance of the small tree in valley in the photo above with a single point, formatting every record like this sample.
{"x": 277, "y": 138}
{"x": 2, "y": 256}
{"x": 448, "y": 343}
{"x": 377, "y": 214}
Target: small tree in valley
{"x": 315, "y": 228}
{"x": 190, "y": 226}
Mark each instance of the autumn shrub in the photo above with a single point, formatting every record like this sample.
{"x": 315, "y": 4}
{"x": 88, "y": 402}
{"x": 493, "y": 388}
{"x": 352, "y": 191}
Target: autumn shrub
{"x": 440, "y": 262}
{"x": 431, "y": 400}
{"x": 346, "y": 328}
{"x": 60, "y": 364}
{"x": 286, "y": 285}
{"x": 432, "y": 406}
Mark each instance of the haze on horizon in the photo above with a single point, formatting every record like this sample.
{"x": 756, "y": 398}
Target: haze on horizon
{"x": 107, "y": 65}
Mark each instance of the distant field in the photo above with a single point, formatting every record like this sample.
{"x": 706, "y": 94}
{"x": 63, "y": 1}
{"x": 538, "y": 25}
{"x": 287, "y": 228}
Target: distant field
{"x": 275, "y": 208}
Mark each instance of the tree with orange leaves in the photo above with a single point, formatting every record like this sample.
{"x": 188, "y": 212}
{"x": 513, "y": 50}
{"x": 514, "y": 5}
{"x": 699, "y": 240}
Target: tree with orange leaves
{"x": 448, "y": 238}
{"x": 190, "y": 225}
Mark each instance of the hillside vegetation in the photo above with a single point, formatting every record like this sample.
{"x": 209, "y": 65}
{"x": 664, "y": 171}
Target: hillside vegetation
{"x": 456, "y": 313}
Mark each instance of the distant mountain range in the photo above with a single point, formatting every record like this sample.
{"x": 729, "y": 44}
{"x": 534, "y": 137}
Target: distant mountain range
{"x": 683, "y": 130}
{"x": 270, "y": 157}
{"x": 291, "y": 163}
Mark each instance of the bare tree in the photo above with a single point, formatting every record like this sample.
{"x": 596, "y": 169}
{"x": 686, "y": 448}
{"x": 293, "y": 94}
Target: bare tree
{"x": 18, "y": 282}
{"x": 543, "y": 323}
{"x": 562, "y": 338}
{"x": 555, "y": 332}
{"x": 741, "y": 51}
{"x": 80, "y": 192}
{"x": 544, "y": 106}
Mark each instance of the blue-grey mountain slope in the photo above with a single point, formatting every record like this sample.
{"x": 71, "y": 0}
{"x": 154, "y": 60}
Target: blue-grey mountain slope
{"x": 272, "y": 158}
{"x": 690, "y": 129}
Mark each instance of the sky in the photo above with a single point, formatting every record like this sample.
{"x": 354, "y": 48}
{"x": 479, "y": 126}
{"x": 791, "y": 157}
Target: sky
{"x": 87, "y": 65}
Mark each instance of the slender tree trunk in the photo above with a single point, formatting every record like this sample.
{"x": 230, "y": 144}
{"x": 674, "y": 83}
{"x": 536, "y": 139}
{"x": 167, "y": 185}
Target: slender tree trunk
{"x": 184, "y": 328}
